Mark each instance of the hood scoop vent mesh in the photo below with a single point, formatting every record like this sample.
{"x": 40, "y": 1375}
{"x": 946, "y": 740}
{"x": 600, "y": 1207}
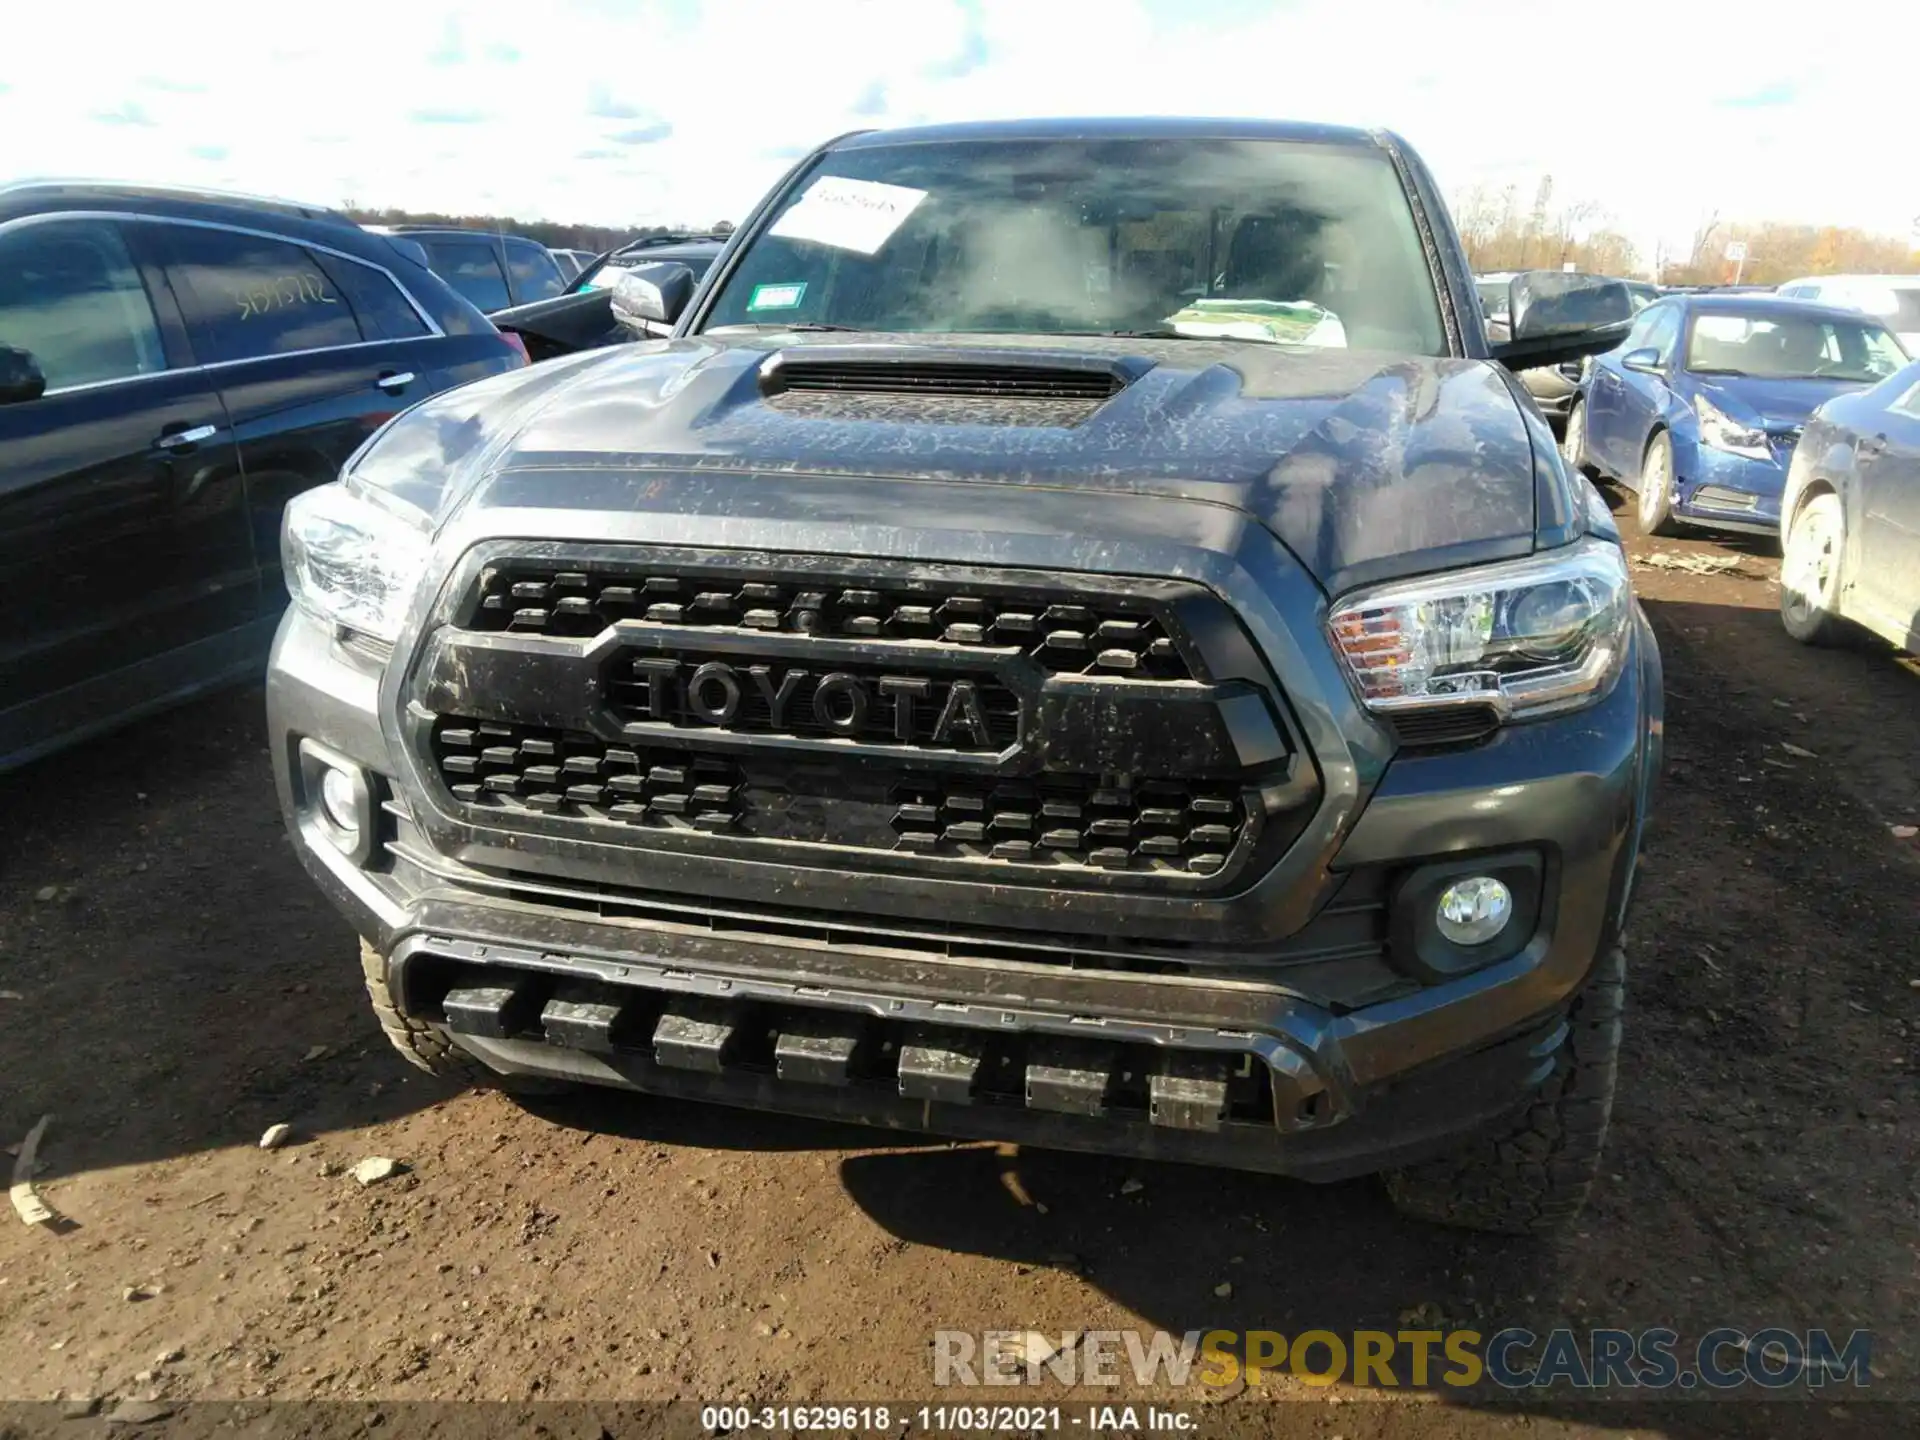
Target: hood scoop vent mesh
{"x": 935, "y": 385}
{"x": 972, "y": 380}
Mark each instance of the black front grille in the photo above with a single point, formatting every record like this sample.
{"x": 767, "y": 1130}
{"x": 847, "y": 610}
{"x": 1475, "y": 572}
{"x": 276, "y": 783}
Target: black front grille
{"x": 520, "y": 767}
{"x": 1075, "y": 821}
{"x": 1058, "y": 820}
{"x": 1107, "y": 638}
{"x": 855, "y": 702}
{"x": 999, "y": 381}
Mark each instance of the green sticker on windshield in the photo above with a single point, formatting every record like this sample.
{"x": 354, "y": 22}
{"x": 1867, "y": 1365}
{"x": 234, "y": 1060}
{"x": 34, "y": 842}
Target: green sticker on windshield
{"x": 777, "y": 297}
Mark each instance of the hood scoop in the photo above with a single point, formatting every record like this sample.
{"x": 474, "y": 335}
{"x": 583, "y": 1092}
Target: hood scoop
{"x": 943, "y": 386}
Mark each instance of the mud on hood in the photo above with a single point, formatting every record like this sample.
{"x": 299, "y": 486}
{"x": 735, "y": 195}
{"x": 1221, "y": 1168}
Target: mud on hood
{"x": 1365, "y": 465}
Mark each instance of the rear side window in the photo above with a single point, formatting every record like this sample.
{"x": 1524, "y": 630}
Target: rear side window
{"x": 472, "y": 268}
{"x": 534, "y": 275}
{"x": 246, "y": 297}
{"x": 382, "y": 310}
{"x": 71, "y": 295}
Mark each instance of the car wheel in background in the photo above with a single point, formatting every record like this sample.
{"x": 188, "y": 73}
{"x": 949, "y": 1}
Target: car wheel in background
{"x": 1573, "y": 445}
{"x": 1656, "y": 487}
{"x": 1810, "y": 572}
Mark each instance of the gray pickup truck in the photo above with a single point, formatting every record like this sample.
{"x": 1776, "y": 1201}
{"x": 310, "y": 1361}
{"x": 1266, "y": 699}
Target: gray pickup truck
{"x": 1073, "y": 637}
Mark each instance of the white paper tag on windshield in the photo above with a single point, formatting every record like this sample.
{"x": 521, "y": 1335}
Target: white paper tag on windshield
{"x": 848, "y": 214}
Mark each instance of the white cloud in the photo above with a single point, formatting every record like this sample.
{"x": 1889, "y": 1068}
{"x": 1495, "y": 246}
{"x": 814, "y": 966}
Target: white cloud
{"x": 685, "y": 111}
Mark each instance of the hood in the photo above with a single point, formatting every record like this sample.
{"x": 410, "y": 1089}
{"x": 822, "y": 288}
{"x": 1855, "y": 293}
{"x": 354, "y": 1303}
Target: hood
{"x": 1364, "y": 465}
{"x": 1776, "y": 406}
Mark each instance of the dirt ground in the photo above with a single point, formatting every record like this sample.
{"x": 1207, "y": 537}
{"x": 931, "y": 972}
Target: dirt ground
{"x": 171, "y": 985}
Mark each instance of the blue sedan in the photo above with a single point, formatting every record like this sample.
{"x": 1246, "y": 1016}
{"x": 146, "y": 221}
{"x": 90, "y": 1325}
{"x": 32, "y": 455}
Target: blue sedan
{"x": 1698, "y": 409}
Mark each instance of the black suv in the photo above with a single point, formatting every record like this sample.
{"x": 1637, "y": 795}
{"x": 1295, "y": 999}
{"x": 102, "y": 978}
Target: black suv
{"x": 173, "y": 366}
{"x": 1077, "y": 638}
{"x": 495, "y": 272}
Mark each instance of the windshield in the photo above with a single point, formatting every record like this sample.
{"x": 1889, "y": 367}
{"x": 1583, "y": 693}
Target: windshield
{"x": 1778, "y": 346}
{"x": 1494, "y": 297}
{"x": 1260, "y": 240}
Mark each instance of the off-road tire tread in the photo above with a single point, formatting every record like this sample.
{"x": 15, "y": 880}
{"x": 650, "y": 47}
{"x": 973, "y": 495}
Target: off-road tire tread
{"x": 419, "y": 1043}
{"x": 1532, "y": 1175}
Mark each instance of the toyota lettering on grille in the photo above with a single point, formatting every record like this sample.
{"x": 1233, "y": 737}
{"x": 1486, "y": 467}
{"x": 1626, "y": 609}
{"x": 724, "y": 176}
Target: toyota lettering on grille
{"x": 950, "y": 712}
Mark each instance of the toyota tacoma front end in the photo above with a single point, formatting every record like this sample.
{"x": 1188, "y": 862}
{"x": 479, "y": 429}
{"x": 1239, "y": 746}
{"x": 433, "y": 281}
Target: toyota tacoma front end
{"x": 1225, "y": 739}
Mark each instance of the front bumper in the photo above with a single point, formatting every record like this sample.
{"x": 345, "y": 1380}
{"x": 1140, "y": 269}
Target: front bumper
{"x": 1731, "y": 492}
{"x": 1353, "y": 1064}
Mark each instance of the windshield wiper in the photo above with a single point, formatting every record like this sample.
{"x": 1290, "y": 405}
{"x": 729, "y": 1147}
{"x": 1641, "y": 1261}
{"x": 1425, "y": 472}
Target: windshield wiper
{"x": 1161, "y": 332}
{"x": 808, "y": 325}
{"x": 1720, "y": 370}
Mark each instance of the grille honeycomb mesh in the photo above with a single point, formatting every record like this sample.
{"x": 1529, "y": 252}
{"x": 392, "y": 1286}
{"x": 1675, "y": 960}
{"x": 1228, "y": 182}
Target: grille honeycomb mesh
{"x": 1065, "y": 637}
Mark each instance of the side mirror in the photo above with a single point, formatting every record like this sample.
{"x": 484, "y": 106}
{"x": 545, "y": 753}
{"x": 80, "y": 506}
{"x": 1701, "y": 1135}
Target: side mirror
{"x": 648, "y": 299}
{"x": 20, "y": 376}
{"x": 1555, "y": 316}
{"x": 1646, "y": 361}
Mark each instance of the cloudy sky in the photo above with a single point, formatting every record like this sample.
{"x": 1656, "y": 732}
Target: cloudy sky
{"x": 640, "y": 111}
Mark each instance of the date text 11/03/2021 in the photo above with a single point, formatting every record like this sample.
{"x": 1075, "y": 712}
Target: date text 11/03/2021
{"x": 941, "y": 1419}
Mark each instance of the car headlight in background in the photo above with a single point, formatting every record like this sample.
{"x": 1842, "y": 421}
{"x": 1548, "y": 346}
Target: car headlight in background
{"x": 1722, "y": 432}
{"x": 351, "y": 562}
{"x": 1525, "y": 637}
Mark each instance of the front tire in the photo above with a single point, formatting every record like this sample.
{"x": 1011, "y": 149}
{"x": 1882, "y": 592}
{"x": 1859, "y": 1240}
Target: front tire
{"x": 425, "y": 1047}
{"x": 1532, "y": 1174}
{"x": 1656, "y": 487}
{"x": 1573, "y": 446}
{"x": 1810, "y": 572}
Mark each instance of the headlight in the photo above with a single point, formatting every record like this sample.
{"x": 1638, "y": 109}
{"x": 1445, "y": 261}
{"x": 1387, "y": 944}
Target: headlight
{"x": 1526, "y": 637}
{"x": 1722, "y": 433}
{"x": 351, "y": 562}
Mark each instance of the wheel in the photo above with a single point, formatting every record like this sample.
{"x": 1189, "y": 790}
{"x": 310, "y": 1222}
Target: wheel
{"x": 1532, "y": 1175}
{"x": 422, "y": 1045}
{"x": 1656, "y": 487}
{"x": 1573, "y": 445}
{"x": 1810, "y": 572}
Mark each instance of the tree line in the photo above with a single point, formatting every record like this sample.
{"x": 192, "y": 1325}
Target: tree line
{"x": 555, "y": 235}
{"x": 1500, "y": 233}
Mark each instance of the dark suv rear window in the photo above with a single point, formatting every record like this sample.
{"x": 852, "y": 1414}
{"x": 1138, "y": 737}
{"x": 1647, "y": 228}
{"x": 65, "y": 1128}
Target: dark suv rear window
{"x": 534, "y": 274}
{"x": 472, "y": 268}
{"x": 383, "y": 311}
{"x": 247, "y": 297}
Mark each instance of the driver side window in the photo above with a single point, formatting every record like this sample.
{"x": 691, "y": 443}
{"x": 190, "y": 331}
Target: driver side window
{"x": 1662, "y": 333}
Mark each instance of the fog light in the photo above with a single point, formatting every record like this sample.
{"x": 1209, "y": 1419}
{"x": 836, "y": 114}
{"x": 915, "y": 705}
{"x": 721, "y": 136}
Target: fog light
{"x": 340, "y": 799}
{"x": 1473, "y": 911}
